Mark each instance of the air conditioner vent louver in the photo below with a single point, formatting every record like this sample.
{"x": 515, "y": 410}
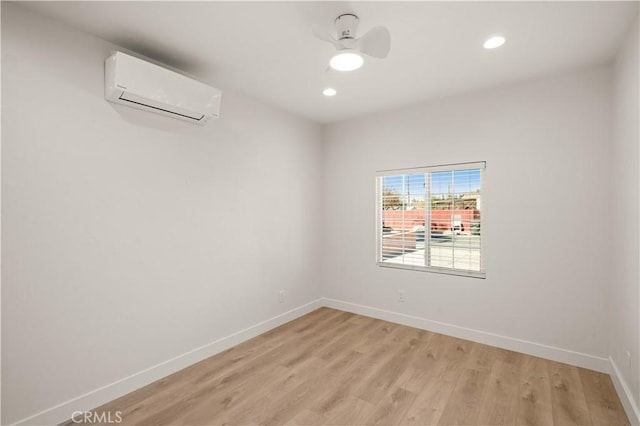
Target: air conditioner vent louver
{"x": 123, "y": 98}
{"x": 140, "y": 84}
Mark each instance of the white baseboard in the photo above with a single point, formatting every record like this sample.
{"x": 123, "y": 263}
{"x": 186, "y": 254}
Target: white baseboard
{"x": 624, "y": 392}
{"x": 530, "y": 348}
{"x": 97, "y": 397}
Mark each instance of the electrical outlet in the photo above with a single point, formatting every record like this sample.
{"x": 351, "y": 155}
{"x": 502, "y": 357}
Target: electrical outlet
{"x": 629, "y": 359}
{"x": 281, "y": 296}
{"x": 400, "y": 295}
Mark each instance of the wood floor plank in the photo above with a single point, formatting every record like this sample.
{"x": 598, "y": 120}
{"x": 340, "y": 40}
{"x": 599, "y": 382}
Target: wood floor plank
{"x": 338, "y": 368}
{"x": 391, "y": 409}
{"x": 534, "y": 404}
{"x": 365, "y": 366}
{"x": 603, "y": 402}
{"x": 427, "y": 363}
{"x": 567, "y": 397}
{"x": 430, "y": 401}
{"x": 349, "y": 374}
{"x": 285, "y": 403}
{"x": 306, "y": 349}
{"x": 436, "y": 346}
{"x": 463, "y": 406}
{"x": 332, "y": 398}
{"x": 457, "y": 353}
{"x": 383, "y": 331}
{"x": 383, "y": 380}
{"x": 306, "y": 418}
{"x": 499, "y": 403}
{"x": 352, "y": 411}
{"x": 349, "y": 341}
{"x": 224, "y": 407}
{"x": 289, "y": 404}
{"x": 482, "y": 357}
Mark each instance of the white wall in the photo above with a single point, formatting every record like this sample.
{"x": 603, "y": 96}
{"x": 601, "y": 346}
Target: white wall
{"x": 624, "y": 327}
{"x": 130, "y": 238}
{"x": 546, "y": 144}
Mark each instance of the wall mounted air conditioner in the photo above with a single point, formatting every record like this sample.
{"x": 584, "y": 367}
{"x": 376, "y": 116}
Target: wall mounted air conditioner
{"x": 140, "y": 84}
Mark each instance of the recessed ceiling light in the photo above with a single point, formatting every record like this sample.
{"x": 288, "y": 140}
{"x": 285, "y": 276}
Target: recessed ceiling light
{"x": 329, "y": 91}
{"x": 346, "y": 60}
{"x": 494, "y": 42}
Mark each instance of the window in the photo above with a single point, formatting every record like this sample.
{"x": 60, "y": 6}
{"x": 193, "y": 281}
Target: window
{"x": 430, "y": 219}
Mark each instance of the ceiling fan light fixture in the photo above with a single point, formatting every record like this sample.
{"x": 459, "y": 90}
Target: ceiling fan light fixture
{"x": 346, "y": 60}
{"x": 329, "y": 91}
{"x": 494, "y": 42}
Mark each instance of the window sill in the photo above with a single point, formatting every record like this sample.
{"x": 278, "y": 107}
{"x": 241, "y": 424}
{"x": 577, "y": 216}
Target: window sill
{"x": 433, "y": 269}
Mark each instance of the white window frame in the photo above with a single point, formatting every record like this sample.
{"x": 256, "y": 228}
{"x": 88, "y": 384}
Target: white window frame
{"x": 429, "y": 169}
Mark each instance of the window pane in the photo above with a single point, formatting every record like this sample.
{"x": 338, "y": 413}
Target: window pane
{"x": 455, "y": 220}
{"x": 403, "y": 219}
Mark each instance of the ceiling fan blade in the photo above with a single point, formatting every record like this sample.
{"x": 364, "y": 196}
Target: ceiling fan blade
{"x": 321, "y": 33}
{"x": 376, "y": 43}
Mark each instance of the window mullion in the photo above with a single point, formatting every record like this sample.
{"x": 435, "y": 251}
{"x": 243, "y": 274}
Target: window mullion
{"x": 452, "y": 193}
{"x": 427, "y": 219}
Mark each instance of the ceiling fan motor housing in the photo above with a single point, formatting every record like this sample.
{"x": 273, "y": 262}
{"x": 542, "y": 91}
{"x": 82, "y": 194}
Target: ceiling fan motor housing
{"x": 347, "y": 26}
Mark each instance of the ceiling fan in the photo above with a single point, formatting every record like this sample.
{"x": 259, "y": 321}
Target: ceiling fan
{"x": 375, "y": 43}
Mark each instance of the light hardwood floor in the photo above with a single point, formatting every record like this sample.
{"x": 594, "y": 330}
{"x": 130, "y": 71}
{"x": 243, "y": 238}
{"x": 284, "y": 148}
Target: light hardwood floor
{"x": 334, "y": 367}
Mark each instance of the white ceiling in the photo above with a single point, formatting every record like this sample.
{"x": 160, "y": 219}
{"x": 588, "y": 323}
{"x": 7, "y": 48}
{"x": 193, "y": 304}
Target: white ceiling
{"x": 266, "y": 48}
